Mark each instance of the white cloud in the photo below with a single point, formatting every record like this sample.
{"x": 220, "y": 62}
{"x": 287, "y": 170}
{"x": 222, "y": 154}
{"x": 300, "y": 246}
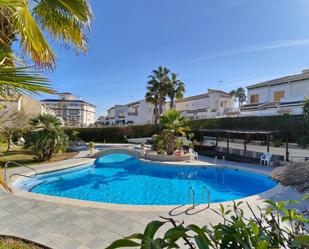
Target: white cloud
{"x": 247, "y": 50}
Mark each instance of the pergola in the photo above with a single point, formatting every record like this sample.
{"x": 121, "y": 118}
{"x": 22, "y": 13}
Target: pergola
{"x": 244, "y": 134}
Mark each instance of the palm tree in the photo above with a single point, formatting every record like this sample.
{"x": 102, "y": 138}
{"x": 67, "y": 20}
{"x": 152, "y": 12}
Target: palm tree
{"x": 176, "y": 89}
{"x": 47, "y": 137}
{"x": 158, "y": 85}
{"x": 152, "y": 97}
{"x": 64, "y": 20}
{"x": 240, "y": 94}
{"x": 27, "y": 21}
{"x": 173, "y": 124}
{"x": 19, "y": 79}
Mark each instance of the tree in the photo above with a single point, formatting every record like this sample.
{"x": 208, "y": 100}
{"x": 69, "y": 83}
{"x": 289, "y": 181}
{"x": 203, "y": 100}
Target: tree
{"x": 157, "y": 86}
{"x": 173, "y": 124}
{"x": 47, "y": 137}
{"x": 176, "y": 89}
{"x": 11, "y": 123}
{"x": 21, "y": 80}
{"x": 152, "y": 97}
{"x": 66, "y": 21}
{"x": 240, "y": 94}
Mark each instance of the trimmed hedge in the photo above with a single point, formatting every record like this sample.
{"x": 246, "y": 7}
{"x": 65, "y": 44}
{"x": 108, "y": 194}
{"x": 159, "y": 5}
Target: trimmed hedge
{"x": 293, "y": 125}
{"x": 113, "y": 134}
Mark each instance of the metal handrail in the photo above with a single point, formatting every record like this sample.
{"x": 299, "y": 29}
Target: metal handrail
{"x": 203, "y": 195}
{"x": 17, "y": 174}
{"x": 191, "y": 190}
{"x": 216, "y": 160}
{"x": 223, "y": 160}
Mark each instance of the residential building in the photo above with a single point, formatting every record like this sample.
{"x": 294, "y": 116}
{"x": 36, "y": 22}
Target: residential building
{"x": 279, "y": 96}
{"x": 117, "y": 114}
{"x": 25, "y": 103}
{"x": 74, "y": 112}
{"x": 102, "y": 121}
{"x": 138, "y": 112}
{"x": 213, "y": 104}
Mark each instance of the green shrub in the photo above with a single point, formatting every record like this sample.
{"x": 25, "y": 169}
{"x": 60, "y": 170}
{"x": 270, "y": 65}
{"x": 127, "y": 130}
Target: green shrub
{"x": 277, "y": 142}
{"x": 293, "y": 125}
{"x": 113, "y": 134}
{"x": 303, "y": 141}
{"x": 47, "y": 137}
{"x": 259, "y": 231}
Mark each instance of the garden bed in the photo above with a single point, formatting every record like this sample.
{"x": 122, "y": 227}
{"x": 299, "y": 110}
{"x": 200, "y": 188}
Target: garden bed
{"x": 20, "y": 155}
{"x": 11, "y": 242}
{"x": 166, "y": 158}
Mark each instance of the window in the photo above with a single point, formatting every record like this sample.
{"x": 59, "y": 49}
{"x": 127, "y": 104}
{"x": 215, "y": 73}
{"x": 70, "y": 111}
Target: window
{"x": 254, "y": 98}
{"x": 278, "y": 95}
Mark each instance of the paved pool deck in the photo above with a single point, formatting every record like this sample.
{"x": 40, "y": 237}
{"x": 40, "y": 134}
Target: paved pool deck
{"x": 71, "y": 226}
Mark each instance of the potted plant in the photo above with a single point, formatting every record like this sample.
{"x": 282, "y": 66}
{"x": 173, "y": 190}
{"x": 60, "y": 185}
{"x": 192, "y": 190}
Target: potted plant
{"x": 91, "y": 146}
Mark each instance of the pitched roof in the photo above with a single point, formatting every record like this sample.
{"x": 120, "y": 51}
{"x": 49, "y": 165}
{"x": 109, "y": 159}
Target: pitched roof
{"x": 205, "y": 95}
{"x": 283, "y": 80}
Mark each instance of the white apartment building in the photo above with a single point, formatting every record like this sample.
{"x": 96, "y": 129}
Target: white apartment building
{"x": 73, "y": 111}
{"x": 279, "y": 96}
{"x": 138, "y": 112}
{"x": 213, "y": 104}
{"x": 26, "y": 104}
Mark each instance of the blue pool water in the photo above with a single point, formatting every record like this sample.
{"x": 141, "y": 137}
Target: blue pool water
{"x": 122, "y": 179}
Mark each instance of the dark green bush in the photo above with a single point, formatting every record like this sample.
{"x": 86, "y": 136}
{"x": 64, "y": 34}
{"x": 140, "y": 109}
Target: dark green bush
{"x": 277, "y": 142}
{"x": 113, "y": 134}
{"x": 303, "y": 141}
{"x": 293, "y": 125}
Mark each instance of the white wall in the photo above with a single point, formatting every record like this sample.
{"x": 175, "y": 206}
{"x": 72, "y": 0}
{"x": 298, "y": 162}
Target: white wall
{"x": 145, "y": 113}
{"x": 193, "y": 104}
{"x": 211, "y": 102}
{"x": 294, "y": 91}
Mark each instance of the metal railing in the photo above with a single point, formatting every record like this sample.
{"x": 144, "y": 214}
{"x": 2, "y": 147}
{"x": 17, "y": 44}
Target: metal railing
{"x": 17, "y": 174}
{"x": 216, "y": 160}
{"x": 206, "y": 189}
{"x": 191, "y": 190}
{"x": 223, "y": 161}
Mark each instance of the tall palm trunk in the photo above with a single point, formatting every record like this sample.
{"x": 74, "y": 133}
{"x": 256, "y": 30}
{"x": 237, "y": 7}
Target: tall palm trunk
{"x": 156, "y": 113}
{"x": 172, "y": 102}
{"x": 160, "y": 104}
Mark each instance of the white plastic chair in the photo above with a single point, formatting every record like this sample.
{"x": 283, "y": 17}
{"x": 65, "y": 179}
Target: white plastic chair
{"x": 21, "y": 141}
{"x": 266, "y": 158}
{"x": 193, "y": 153}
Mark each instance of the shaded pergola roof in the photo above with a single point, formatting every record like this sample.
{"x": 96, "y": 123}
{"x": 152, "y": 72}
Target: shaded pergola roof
{"x": 244, "y": 132}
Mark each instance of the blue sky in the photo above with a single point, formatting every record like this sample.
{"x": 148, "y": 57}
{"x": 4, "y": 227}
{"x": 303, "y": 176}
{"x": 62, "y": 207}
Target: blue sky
{"x": 209, "y": 43}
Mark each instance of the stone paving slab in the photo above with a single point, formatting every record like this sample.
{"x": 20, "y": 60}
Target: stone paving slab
{"x": 63, "y": 226}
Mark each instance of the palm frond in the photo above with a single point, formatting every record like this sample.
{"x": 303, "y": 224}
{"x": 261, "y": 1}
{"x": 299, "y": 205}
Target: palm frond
{"x": 22, "y": 80}
{"x": 32, "y": 39}
{"x": 66, "y": 21}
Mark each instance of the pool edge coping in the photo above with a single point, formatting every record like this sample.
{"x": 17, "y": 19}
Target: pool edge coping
{"x": 125, "y": 207}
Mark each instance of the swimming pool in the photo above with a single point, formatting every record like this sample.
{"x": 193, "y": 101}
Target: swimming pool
{"x": 123, "y": 179}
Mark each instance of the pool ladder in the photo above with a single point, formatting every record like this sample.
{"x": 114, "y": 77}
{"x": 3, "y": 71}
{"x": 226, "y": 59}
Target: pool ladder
{"x": 192, "y": 194}
{"x": 17, "y": 174}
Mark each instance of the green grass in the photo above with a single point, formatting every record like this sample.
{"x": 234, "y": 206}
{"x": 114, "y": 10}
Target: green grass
{"x": 24, "y": 156}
